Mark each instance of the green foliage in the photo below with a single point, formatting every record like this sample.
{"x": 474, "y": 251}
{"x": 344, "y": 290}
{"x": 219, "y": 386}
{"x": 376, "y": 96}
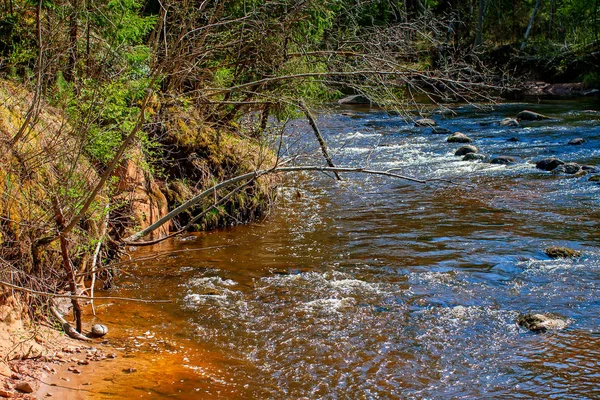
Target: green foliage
{"x": 121, "y": 22}
{"x": 592, "y": 80}
{"x": 105, "y": 112}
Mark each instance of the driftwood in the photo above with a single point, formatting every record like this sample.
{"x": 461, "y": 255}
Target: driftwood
{"x": 69, "y": 330}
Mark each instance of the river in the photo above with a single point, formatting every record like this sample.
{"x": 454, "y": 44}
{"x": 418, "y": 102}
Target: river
{"x": 378, "y": 288}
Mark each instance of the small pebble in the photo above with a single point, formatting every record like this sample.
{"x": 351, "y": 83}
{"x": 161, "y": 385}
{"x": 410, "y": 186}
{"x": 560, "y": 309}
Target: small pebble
{"x": 24, "y": 387}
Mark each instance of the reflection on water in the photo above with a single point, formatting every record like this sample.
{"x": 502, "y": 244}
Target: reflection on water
{"x": 379, "y": 288}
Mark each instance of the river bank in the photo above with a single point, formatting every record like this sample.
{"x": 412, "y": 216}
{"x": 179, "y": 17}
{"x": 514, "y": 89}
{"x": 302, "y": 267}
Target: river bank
{"x": 381, "y": 286}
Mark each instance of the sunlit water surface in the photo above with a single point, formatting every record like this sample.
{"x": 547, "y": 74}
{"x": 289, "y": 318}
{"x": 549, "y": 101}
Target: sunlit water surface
{"x": 379, "y": 288}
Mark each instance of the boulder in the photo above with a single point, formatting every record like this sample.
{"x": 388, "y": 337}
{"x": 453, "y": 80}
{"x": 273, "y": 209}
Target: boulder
{"x": 531, "y": 116}
{"x": 355, "y": 99}
{"x": 459, "y": 137}
{"x": 513, "y": 139}
{"x": 561, "y": 252}
{"x": 548, "y": 164}
{"x": 425, "y": 122}
{"x": 568, "y": 168}
{"x": 510, "y": 122}
{"x": 441, "y": 131}
{"x": 577, "y": 141}
{"x": 466, "y": 150}
{"x": 540, "y": 322}
{"x": 474, "y": 157}
{"x": 595, "y": 178}
{"x": 502, "y": 160}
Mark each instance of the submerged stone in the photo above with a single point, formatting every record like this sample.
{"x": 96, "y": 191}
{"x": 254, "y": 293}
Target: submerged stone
{"x": 568, "y": 168}
{"x": 474, "y": 157}
{"x": 540, "y": 322}
{"x": 502, "y": 160}
{"x": 441, "y": 131}
{"x": 531, "y": 116}
{"x": 577, "y": 141}
{"x": 466, "y": 150}
{"x": 561, "y": 252}
{"x": 591, "y": 169}
{"x": 425, "y": 122}
{"x": 595, "y": 178}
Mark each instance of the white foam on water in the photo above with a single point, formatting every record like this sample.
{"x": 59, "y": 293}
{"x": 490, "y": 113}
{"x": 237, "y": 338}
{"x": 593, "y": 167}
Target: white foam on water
{"x": 211, "y": 282}
{"x": 358, "y": 135}
{"x": 196, "y": 299}
{"x": 331, "y": 305}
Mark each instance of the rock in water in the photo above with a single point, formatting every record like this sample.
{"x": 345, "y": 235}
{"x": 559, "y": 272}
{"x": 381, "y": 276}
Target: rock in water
{"x": 540, "y": 322}
{"x": 355, "y": 99}
{"x": 99, "y": 330}
{"x": 502, "y": 160}
{"x": 561, "y": 252}
{"x": 459, "y": 137}
{"x": 591, "y": 169}
{"x": 548, "y": 164}
{"x": 509, "y": 122}
{"x": 474, "y": 157}
{"x": 531, "y": 116}
{"x": 425, "y": 122}
{"x": 577, "y": 141}
{"x": 568, "y": 168}
{"x": 466, "y": 150}
{"x": 595, "y": 178}
{"x": 440, "y": 131}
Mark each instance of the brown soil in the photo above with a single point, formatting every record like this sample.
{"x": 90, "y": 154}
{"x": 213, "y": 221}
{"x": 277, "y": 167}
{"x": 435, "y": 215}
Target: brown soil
{"x": 42, "y": 357}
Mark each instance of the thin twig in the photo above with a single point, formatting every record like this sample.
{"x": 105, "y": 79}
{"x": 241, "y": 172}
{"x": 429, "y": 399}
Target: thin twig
{"x": 69, "y": 296}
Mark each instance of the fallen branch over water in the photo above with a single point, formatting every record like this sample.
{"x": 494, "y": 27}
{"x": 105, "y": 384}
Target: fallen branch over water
{"x": 255, "y": 175}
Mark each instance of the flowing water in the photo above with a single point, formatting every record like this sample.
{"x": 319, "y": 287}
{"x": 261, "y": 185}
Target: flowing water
{"x": 375, "y": 287}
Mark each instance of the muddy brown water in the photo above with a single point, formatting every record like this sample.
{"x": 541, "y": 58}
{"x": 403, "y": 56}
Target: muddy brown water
{"x": 379, "y": 288}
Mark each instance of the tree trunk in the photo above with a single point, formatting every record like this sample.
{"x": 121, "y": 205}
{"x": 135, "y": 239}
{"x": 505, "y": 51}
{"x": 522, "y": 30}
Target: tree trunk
{"x": 479, "y": 33}
{"x": 528, "y": 31}
{"x": 73, "y": 22}
{"x": 60, "y": 223}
